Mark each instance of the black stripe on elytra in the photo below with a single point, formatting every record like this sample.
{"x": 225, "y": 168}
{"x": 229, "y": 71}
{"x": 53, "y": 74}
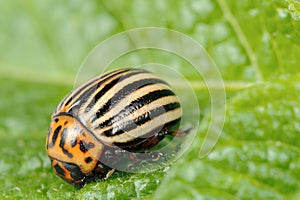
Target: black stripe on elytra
{"x": 84, "y": 147}
{"x": 125, "y": 91}
{"x": 140, "y": 120}
{"x": 137, "y": 142}
{"x": 55, "y": 135}
{"x": 137, "y": 104}
{"x": 86, "y": 95}
{"x": 74, "y": 170}
{"x": 79, "y": 90}
{"x": 62, "y": 143}
{"x": 94, "y": 85}
{"x": 108, "y": 86}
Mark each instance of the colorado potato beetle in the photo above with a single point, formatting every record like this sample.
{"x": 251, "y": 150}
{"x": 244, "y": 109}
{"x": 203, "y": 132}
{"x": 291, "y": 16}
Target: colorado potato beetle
{"x": 127, "y": 110}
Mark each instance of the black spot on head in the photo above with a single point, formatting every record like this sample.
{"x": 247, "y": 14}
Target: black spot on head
{"x": 59, "y": 170}
{"x": 66, "y": 122}
{"x": 84, "y": 147}
{"x": 56, "y": 120}
{"x": 63, "y": 141}
{"x": 74, "y": 170}
{"x": 55, "y": 135}
{"x": 88, "y": 159}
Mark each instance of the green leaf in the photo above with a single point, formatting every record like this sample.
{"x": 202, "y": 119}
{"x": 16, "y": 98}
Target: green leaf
{"x": 257, "y": 156}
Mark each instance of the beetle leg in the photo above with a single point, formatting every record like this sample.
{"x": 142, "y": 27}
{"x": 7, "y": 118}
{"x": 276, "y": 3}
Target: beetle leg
{"x": 178, "y": 133}
{"x": 121, "y": 159}
{"x": 144, "y": 160}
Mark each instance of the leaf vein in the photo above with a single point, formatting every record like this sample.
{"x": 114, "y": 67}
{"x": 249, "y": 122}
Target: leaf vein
{"x": 242, "y": 38}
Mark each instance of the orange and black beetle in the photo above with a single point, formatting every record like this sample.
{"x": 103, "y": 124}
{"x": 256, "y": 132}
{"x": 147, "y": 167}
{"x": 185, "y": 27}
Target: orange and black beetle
{"x": 125, "y": 109}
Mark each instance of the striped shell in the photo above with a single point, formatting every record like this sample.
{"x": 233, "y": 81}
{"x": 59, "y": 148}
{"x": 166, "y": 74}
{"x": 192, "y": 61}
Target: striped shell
{"x": 131, "y": 109}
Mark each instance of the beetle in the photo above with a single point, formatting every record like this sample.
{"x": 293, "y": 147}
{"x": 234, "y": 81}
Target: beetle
{"x": 109, "y": 118}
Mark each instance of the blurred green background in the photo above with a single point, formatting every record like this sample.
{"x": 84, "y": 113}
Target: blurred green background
{"x": 43, "y": 43}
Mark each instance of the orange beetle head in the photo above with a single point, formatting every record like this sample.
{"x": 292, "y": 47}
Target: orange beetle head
{"x": 73, "y": 151}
